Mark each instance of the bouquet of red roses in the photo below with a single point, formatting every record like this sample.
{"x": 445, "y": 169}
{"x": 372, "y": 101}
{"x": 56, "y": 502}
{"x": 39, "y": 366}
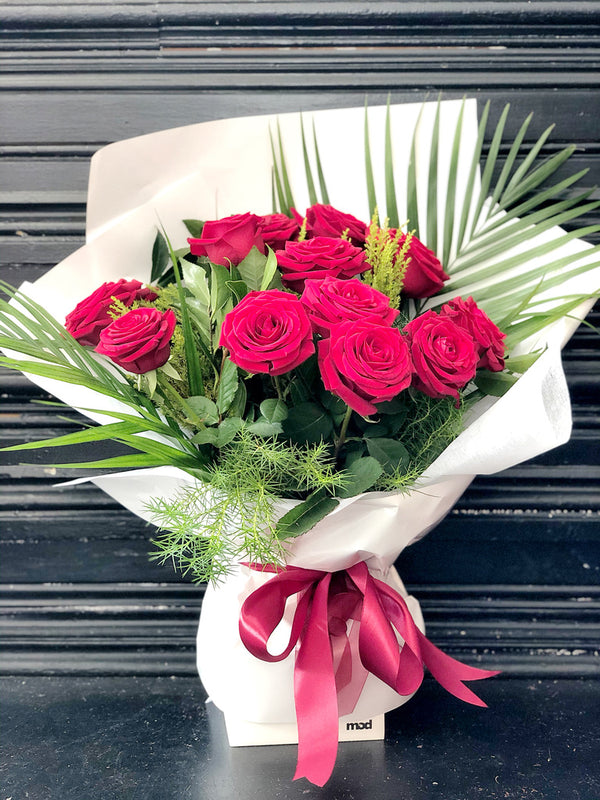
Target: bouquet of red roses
{"x": 303, "y": 394}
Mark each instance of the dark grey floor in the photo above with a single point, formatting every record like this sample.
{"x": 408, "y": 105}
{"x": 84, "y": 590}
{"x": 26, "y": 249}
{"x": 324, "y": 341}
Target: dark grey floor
{"x": 152, "y": 739}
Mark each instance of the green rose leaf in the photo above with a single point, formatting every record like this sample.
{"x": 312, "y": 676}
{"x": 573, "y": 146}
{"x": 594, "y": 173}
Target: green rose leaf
{"x": 335, "y": 405}
{"x": 221, "y": 435}
{"x": 204, "y": 409}
{"x": 238, "y": 405}
{"x": 238, "y": 289}
{"x": 269, "y": 274}
{"x": 390, "y": 453}
{"x": 305, "y": 515}
{"x": 160, "y": 257}
{"x": 220, "y": 294}
{"x": 194, "y": 226}
{"x": 360, "y": 476}
{"x": 308, "y": 422}
{"x": 196, "y": 280}
{"x": 228, "y": 384}
{"x": 274, "y": 410}
{"x": 252, "y": 268}
{"x": 354, "y": 451}
{"x": 265, "y": 429}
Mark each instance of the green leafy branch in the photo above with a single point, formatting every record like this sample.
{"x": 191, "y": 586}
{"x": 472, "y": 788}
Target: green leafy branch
{"x": 206, "y": 529}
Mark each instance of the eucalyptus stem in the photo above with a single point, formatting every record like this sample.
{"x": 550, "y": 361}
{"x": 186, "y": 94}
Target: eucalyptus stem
{"x": 343, "y": 430}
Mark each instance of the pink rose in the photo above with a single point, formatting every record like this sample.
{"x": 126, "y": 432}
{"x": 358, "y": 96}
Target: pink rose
{"x": 322, "y": 220}
{"x": 268, "y": 332}
{"x": 424, "y": 275}
{"x": 364, "y": 363}
{"x": 444, "y": 355}
{"x": 91, "y": 315}
{"x": 318, "y": 258}
{"x": 140, "y": 340}
{"x": 277, "y": 229}
{"x": 489, "y": 339}
{"x": 331, "y": 301}
{"x": 229, "y": 240}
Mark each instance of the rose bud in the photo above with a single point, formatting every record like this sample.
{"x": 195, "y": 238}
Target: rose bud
{"x": 489, "y": 339}
{"x": 277, "y": 229}
{"x": 332, "y": 300}
{"x": 424, "y": 274}
{"x": 324, "y": 220}
{"x": 91, "y": 315}
{"x": 268, "y": 332}
{"x": 318, "y": 258}
{"x": 229, "y": 240}
{"x": 444, "y": 355}
{"x": 140, "y": 340}
{"x": 364, "y": 363}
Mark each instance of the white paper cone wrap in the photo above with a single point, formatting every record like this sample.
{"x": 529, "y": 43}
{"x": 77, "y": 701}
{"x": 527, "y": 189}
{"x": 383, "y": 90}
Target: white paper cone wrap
{"x": 205, "y": 172}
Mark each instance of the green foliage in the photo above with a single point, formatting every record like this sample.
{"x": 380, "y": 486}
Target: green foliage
{"x": 430, "y": 425}
{"x": 280, "y": 175}
{"x": 206, "y": 529}
{"x": 253, "y": 267}
{"x": 305, "y": 515}
{"x": 308, "y": 422}
{"x": 160, "y": 257}
{"x": 360, "y": 475}
{"x": 195, "y": 227}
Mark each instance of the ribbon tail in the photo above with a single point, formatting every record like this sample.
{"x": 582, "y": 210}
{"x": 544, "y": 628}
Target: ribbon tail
{"x": 418, "y": 651}
{"x": 315, "y": 695}
{"x": 451, "y": 673}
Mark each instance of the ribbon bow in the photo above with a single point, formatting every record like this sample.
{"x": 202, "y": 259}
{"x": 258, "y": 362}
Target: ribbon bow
{"x": 326, "y": 683}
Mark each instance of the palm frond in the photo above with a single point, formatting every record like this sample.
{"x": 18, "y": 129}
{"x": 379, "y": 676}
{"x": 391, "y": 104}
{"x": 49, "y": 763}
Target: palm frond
{"x": 49, "y": 352}
{"x": 498, "y": 241}
{"x": 432, "y": 195}
{"x": 390, "y": 187}
{"x": 312, "y": 194}
{"x": 372, "y": 198}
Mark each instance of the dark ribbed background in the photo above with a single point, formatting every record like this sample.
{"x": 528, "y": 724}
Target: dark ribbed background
{"x": 511, "y": 576}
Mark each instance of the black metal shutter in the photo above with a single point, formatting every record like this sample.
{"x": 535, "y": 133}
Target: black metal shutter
{"x": 511, "y": 577}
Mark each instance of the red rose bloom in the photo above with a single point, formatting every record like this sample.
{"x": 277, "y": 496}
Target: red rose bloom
{"x": 364, "y": 363}
{"x": 277, "y": 229}
{"x": 331, "y": 301}
{"x": 91, "y": 315}
{"x": 229, "y": 240}
{"x": 424, "y": 275}
{"x": 322, "y": 220}
{"x": 444, "y": 355}
{"x": 318, "y": 258}
{"x": 268, "y": 332}
{"x": 489, "y": 339}
{"x": 140, "y": 340}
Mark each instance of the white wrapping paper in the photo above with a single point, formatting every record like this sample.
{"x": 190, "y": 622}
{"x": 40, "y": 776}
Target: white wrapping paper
{"x": 219, "y": 168}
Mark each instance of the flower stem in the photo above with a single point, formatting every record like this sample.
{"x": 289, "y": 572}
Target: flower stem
{"x": 277, "y": 383}
{"x": 343, "y": 430}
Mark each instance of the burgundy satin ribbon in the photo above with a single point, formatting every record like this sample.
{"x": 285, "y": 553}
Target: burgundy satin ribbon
{"x": 326, "y": 683}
